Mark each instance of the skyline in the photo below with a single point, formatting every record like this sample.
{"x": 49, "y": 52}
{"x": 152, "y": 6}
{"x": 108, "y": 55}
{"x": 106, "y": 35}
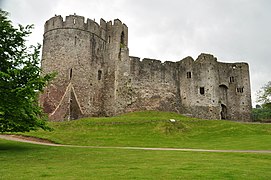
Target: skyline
{"x": 232, "y": 31}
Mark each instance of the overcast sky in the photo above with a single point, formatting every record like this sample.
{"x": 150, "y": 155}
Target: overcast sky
{"x": 231, "y": 30}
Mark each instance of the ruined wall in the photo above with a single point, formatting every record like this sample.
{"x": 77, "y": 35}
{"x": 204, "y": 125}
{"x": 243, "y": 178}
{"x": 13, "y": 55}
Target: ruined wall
{"x": 154, "y": 85}
{"x": 97, "y": 77}
{"x": 204, "y": 88}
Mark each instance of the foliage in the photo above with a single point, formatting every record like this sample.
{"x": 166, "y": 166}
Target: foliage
{"x": 262, "y": 114}
{"x": 122, "y": 45}
{"x": 264, "y": 95}
{"x": 153, "y": 129}
{"x": 20, "y": 79}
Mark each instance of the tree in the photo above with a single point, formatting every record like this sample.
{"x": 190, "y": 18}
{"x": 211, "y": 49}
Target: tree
{"x": 20, "y": 80}
{"x": 263, "y": 112}
{"x": 264, "y": 95}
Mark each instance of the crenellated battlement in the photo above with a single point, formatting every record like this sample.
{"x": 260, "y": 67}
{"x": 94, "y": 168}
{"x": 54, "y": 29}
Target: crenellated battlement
{"x": 78, "y": 22}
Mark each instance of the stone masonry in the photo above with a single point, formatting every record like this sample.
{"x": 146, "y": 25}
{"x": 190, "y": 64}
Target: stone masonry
{"x": 97, "y": 77}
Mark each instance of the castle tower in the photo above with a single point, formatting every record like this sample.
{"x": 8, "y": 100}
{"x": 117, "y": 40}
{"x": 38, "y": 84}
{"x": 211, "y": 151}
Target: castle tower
{"x": 118, "y": 66}
{"x": 75, "y": 50}
{"x": 85, "y": 56}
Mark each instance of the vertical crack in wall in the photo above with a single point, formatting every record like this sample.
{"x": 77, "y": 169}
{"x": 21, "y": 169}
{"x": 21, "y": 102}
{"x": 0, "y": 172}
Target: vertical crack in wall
{"x": 178, "y": 90}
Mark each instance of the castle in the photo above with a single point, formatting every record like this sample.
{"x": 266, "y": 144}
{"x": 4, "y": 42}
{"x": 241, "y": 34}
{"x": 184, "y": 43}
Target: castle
{"x": 97, "y": 77}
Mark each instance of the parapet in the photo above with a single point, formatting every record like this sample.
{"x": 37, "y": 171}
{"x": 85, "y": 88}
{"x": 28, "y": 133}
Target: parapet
{"x": 203, "y": 57}
{"x": 133, "y": 58}
{"x": 76, "y": 22}
{"x": 117, "y": 24}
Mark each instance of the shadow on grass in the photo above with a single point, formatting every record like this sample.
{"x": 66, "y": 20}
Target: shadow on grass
{"x": 6, "y": 145}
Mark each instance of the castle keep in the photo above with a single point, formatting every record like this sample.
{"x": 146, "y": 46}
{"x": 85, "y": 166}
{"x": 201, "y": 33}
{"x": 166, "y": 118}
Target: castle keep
{"x": 97, "y": 77}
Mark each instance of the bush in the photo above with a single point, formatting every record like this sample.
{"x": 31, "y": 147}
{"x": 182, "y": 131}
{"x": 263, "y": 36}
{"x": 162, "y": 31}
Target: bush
{"x": 261, "y": 114}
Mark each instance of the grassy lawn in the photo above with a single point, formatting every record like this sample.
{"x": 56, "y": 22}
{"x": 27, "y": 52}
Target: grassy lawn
{"x": 153, "y": 129}
{"x": 28, "y": 161}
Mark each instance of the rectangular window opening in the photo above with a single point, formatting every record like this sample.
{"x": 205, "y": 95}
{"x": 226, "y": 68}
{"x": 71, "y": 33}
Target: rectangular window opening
{"x": 201, "y": 90}
{"x": 99, "y": 74}
{"x": 70, "y": 73}
{"x": 240, "y": 90}
{"x": 188, "y": 75}
{"x": 231, "y": 79}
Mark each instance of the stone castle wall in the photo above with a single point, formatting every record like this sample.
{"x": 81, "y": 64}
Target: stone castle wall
{"x": 97, "y": 77}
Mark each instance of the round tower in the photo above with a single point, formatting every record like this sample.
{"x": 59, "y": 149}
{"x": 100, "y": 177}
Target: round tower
{"x": 74, "y": 49}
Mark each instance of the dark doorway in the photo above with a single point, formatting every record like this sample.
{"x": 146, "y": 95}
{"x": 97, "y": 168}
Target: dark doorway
{"x": 223, "y": 93}
{"x": 223, "y": 112}
{"x": 74, "y": 107}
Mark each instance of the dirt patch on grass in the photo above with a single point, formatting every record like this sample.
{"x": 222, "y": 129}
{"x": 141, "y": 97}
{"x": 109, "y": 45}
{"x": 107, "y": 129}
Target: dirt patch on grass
{"x": 27, "y": 138}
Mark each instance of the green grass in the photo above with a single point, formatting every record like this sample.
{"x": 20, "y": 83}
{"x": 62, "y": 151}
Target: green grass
{"x": 141, "y": 129}
{"x": 153, "y": 129}
{"x": 28, "y": 161}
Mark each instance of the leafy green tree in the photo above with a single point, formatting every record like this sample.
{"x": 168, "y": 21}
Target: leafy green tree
{"x": 20, "y": 79}
{"x": 263, "y": 112}
{"x": 264, "y": 95}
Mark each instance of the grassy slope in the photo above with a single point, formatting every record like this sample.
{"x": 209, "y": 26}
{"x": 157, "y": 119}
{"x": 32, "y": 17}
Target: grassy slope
{"x": 148, "y": 129}
{"x": 27, "y": 161}
{"x": 152, "y": 129}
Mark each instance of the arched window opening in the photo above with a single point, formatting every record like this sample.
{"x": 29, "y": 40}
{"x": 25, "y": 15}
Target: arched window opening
{"x": 223, "y": 86}
{"x": 75, "y": 40}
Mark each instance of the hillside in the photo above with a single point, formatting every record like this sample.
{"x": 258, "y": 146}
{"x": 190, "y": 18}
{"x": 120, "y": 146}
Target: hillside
{"x": 154, "y": 129}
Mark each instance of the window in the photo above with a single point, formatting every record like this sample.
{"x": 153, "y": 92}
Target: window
{"x": 240, "y": 90}
{"x": 109, "y": 39}
{"x": 231, "y": 79}
{"x": 70, "y": 73}
{"x": 201, "y": 90}
{"x": 99, "y": 75}
{"x": 75, "y": 40}
{"x": 188, "y": 75}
